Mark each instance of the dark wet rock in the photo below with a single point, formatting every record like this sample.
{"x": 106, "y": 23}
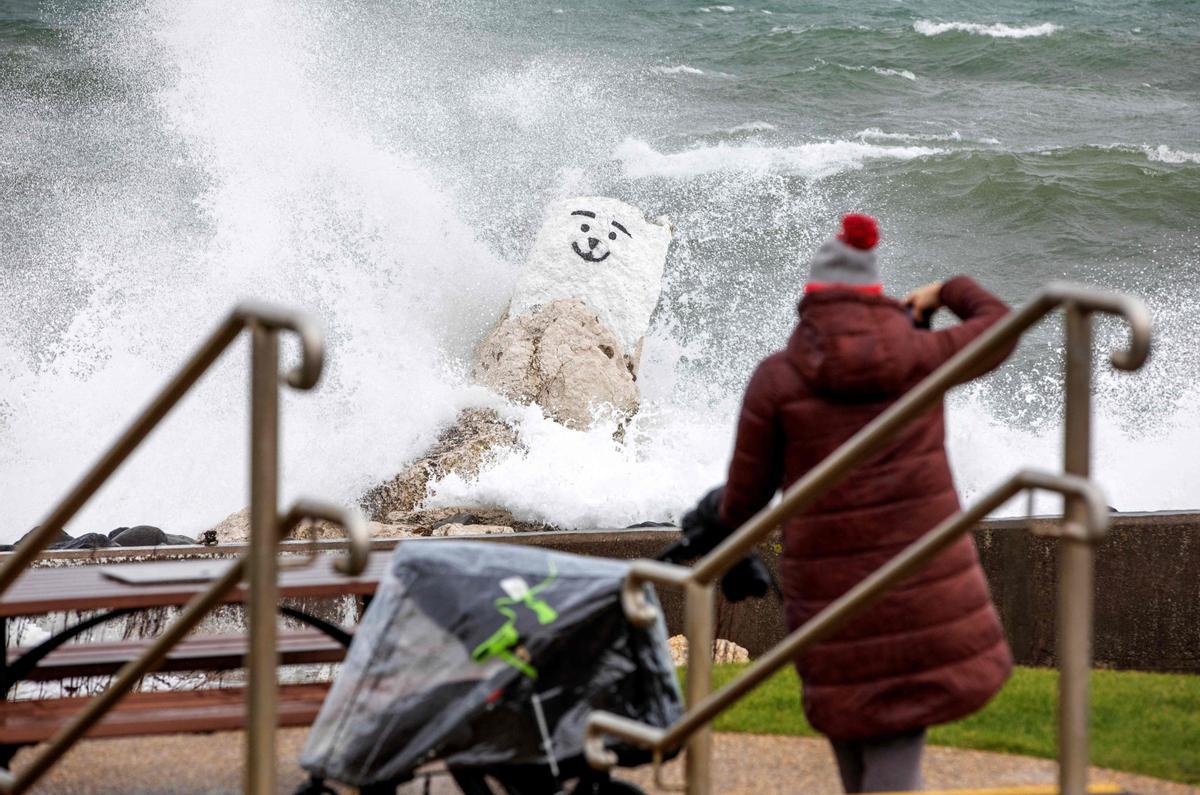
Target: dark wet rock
{"x": 87, "y": 541}
{"x": 208, "y": 538}
{"x": 6, "y": 547}
{"x": 142, "y": 535}
{"x": 424, "y": 521}
{"x": 459, "y": 518}
{"x": 648, "y": 524}
{"x": 63, "y": 537}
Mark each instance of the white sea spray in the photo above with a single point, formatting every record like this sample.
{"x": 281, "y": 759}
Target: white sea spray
{"x": 995, "y": 30}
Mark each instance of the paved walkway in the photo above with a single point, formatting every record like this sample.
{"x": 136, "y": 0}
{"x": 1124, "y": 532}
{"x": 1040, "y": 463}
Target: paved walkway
{"x": 744, "y": 764}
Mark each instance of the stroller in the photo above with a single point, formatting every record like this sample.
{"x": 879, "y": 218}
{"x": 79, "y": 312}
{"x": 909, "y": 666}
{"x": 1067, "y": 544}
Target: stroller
{"x": 489, "y": 658}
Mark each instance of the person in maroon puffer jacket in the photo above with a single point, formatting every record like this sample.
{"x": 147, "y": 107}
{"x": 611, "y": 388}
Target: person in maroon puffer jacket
{"x": 932, "y": 650}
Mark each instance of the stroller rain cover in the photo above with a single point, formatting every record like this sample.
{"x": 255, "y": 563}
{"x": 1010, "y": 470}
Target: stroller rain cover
{"x": 459, "y": 640}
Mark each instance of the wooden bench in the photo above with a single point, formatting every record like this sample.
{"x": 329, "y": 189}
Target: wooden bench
{"x": 199, "y": 653}
{"x": 86, "y": 588}
{"x": 163, "y": 712}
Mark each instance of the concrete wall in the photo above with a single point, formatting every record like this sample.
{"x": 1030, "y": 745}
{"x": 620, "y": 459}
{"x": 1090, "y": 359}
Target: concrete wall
{"x": 1147, "y": 590}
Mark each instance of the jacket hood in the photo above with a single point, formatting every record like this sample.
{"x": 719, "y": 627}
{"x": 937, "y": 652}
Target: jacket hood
{"x": 852, "y": 345}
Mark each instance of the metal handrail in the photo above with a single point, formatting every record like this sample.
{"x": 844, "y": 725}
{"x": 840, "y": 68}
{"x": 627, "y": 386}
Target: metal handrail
{"x": 922, "y": 397}
{"x": 244, "y": 315}
{"x": 192, "y": 614}
{"x": 259, "y": 565}
{"x": 836, "y": 614}
{"x": 1075, "y": 581}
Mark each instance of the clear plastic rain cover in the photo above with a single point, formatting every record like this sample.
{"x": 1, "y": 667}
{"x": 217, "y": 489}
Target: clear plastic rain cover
{"x": 468, "y": 645}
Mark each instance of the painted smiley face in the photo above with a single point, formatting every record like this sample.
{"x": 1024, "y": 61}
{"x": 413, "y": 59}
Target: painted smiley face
{"x": 592, "y": 241}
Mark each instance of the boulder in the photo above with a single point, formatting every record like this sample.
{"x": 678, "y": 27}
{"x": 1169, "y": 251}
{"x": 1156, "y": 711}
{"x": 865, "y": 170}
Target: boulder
{"x": 385, "y": 530}
{"x": 453, "y": 530}
{"x": 462, "y": 448}
{"x": 235, "y": 529}
{"x": 561, "y": 357}
{"x": 462, "y": 517}
{"x": 63, "y": 537}
{"x": 724, "y": 651}
{"x": 430, "y": 518}
{"x": 87, "y": 541}
{"x": 142, "y": 535}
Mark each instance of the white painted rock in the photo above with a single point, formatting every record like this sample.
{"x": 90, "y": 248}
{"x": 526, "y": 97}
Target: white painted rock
{"x": 561, "y": 357}
{"x": 604, "y": 252}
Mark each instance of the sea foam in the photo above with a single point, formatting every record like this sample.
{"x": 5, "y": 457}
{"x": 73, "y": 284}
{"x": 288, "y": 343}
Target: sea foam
{"x": 996, "y": 30}
{"x": 879, "y": 70}
{"x": 1165, "y": 154}
{"x": 814, "y": 160}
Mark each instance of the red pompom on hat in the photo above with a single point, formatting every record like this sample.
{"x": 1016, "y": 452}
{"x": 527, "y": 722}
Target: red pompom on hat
{"x": 859, "y": 230}
{"x": 848, "y": 261}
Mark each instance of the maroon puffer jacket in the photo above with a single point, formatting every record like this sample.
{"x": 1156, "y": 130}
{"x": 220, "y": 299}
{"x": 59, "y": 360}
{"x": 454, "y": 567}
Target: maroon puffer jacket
{"x": 932, "y": 650}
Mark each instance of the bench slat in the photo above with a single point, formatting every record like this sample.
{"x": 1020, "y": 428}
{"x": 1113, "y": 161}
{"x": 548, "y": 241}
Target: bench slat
{"x": 166, "y": 712}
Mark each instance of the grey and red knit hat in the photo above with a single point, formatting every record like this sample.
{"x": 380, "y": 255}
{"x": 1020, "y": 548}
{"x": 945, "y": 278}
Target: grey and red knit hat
{"x": 848, "y": 260}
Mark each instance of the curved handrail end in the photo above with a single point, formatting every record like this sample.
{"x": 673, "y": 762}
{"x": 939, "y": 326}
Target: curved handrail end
{"x": 312, "y": 337}
{"x": 358, "y": 537}
{"x": 1096, "y": 512}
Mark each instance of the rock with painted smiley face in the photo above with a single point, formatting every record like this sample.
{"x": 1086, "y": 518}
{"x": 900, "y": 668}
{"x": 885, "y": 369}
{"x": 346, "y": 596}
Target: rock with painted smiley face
{"x": 603, "y": 252}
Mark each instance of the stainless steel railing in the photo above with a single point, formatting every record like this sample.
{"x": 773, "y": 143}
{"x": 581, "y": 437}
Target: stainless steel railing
{"x": 259, "y": 565}
{"x": 1082, "y": 525}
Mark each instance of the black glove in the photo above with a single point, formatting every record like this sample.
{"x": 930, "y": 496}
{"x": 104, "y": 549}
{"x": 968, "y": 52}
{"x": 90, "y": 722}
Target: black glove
{"x": 702, "y": 529}
{"x": 749, "y": 577}
{"x": 702, "y": 532}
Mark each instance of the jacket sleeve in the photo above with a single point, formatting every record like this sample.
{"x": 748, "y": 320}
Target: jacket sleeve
{"x": 756, "y": 470}
{"x": 978, "y": 310}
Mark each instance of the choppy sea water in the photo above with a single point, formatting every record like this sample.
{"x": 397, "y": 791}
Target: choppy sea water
{"x": 385, "y": 164}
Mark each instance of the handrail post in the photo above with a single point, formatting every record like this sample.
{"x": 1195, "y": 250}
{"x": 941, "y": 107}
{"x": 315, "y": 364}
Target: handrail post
{"x": 1075, "y": 575}
{"x": 699, "y": 607}
{"x": 262, "y": 564}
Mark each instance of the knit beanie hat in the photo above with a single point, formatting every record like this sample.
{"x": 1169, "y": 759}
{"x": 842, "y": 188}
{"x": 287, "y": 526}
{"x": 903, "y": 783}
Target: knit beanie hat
{"x": 848, "y": 260}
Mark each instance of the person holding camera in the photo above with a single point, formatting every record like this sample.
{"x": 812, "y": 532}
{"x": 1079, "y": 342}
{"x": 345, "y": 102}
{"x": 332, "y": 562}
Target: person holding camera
{"x": 932, "y": 650}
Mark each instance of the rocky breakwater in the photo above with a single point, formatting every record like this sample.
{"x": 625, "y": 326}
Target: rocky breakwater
{"x": 142, "y": 535}
{"x": 570, "y": 342}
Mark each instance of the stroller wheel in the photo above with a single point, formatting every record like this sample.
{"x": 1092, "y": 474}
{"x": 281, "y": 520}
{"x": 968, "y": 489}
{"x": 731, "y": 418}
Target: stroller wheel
{"x": 606, "y": 787}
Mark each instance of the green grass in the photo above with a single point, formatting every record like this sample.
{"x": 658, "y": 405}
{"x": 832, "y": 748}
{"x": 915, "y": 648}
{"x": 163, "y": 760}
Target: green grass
{"x": 1141, "y": 723}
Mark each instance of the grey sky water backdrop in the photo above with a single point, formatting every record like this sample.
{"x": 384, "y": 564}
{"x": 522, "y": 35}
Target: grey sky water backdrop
{"x": 386, "y": 164}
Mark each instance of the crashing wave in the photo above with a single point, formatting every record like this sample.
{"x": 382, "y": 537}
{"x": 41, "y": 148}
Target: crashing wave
{"x": 1165, "y": 154}
{"x": 813, "y": 160}
{"x": 954, "y": 136}
{"x": 997, "y": 30}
